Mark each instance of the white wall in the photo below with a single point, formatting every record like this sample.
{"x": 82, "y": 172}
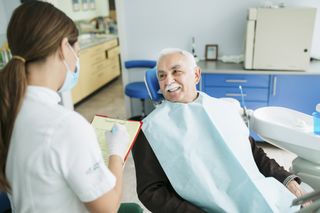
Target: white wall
{"x": 6, "y": 8}
{"x": 147, "y": 26}
{"x": 151, "y": 25}
{"x": 3, "y": 20}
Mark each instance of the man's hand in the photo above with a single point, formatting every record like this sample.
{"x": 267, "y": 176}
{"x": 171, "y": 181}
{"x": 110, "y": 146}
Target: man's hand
{"x": 295, "y": 188}
{"x": 117, "y": 140}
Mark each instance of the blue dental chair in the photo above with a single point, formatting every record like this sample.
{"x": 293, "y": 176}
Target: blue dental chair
{"x": 5, "y": 206}
{"x": 138, "y": 89}
{"x": 151, "y": 81}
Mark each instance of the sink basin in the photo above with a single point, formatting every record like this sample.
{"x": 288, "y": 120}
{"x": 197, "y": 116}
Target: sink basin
{"x": 288, "y": 129}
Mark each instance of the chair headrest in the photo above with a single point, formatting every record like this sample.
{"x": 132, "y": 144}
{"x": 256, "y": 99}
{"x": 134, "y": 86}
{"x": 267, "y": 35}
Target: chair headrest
{"x": 140, "y": 64}
{"x": 152, "y": 84}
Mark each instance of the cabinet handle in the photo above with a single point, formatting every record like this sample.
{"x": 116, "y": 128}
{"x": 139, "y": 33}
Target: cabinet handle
{"x": 274, "y": 90}
{"x": 235, "y": 81}
{"x": 234, "y": 94}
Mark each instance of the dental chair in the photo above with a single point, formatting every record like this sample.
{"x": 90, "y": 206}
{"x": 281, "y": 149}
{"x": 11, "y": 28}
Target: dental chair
{"x": 293, "y": 131}
{"x": 5, "y": 206}
{"x": 285, "y": 128}
{"x": 138, "y": 89}
{"x": 151, "y": 81}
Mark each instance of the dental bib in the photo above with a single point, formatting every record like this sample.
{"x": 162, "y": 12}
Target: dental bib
{"x": 204, "y": 149}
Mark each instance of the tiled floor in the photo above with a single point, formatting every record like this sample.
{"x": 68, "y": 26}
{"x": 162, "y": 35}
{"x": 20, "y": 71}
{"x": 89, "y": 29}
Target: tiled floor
{"x": 110, "y": 101}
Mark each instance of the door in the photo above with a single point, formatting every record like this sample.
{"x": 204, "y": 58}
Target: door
{"x": 298, "y": 92}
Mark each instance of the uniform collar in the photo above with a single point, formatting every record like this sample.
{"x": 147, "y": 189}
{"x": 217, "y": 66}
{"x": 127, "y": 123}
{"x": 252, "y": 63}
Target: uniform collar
{"x": 43, "y": 94}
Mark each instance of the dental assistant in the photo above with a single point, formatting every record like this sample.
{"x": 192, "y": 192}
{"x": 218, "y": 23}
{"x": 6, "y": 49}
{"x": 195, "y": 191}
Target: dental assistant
{"x": 49, "y": 156}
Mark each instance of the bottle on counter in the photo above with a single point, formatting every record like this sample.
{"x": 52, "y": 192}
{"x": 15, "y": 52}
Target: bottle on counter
{"x": 193, "y": 49}
{"x": 316, "y": 120}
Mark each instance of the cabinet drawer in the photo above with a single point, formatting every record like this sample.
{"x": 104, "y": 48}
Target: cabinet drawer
{"x": 110, "y": 44}
{"x": 255, "y": 105}
{"x": 99, "y": 64}
{"x": 250, "y": 94}
{"x": 234, "y": 80}
{"x": 91, "y": 56}
{"x": 113, "y": 52}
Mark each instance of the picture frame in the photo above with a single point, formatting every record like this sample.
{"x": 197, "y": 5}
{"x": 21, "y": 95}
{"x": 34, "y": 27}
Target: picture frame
{"x": 211, "y": 52}
{"x": 75, "y": 5}
{"x": 92, "y": 4}
{"x": 85, "y": 4}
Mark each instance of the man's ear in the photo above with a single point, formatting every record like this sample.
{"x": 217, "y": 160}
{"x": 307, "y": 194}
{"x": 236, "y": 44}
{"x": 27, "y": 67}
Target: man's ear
{"x": 197, "y": 74}
{"x": 63, "y": 48}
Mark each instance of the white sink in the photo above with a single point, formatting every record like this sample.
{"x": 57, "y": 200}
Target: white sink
{"x": 288, "y": 129}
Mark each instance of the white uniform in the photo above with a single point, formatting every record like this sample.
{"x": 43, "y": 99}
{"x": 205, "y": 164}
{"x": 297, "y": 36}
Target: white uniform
{"x": 54, "y": 162}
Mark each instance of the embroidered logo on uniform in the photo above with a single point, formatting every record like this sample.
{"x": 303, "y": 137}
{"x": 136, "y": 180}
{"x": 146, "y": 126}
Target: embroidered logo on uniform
{"x": 93, "y": 168}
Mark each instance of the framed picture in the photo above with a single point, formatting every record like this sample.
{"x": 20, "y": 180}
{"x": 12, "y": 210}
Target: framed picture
{"x": 75, "y": 5}
{"x": 85, "y": 4}
{"x": 92, "y": 4}
{"x": 211, "y": 53}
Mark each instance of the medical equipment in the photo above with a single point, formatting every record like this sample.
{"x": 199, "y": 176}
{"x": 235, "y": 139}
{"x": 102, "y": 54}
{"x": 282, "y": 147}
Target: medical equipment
{"x": 316, "y": 120}
{"x": 245, "y": 116}
{"x": 293, "y": 131}
{"x": 279, "y": 38}
{"x": 314, "y": 197}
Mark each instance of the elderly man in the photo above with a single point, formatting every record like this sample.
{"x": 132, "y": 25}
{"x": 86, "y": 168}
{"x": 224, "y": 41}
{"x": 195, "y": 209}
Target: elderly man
{"x": 194, "y": 153}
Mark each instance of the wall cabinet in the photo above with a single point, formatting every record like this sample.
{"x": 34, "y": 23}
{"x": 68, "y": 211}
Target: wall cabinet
{"x": 99, "y": 65}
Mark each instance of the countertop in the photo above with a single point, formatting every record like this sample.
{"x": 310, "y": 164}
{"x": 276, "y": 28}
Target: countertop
{"x": 87, "y": 40}
{"x": 216, "y": 67}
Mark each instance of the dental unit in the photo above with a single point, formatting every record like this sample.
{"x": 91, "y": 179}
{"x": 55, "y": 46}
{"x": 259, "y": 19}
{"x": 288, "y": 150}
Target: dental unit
{"x": 290, "y": 130}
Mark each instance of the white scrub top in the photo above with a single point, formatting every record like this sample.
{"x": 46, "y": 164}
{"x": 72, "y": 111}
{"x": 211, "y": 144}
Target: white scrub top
{"x": 54, "y": 162}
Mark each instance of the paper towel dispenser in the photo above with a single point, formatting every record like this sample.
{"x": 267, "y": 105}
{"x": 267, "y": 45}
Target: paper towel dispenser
{"x": 279, "y": 38}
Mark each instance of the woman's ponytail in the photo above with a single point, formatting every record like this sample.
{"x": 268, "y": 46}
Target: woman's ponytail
{"x": 13, "y": 83}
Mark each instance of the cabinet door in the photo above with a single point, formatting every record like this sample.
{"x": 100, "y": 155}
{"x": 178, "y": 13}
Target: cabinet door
{"x": 298, "y": 92}
{"x": 99, "y": 65}
{"x": 255, "y": 87}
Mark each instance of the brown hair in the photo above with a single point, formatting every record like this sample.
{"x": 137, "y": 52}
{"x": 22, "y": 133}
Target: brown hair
{"x": 35, "y": 31}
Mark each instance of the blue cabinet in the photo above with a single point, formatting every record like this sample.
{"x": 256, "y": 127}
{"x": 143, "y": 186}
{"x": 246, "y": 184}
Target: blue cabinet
{"x": 255, "y": 87}
{"x": 298, "y": 92}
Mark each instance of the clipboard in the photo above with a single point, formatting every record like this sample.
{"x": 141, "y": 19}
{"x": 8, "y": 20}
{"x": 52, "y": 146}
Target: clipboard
{"x": 102, "y": 123}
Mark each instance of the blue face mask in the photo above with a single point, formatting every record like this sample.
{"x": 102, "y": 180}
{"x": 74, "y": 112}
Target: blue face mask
{"x": 71, "y": 77}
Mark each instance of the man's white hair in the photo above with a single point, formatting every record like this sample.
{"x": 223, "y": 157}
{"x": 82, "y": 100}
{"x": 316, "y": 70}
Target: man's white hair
{"x": 169, "y": 51}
